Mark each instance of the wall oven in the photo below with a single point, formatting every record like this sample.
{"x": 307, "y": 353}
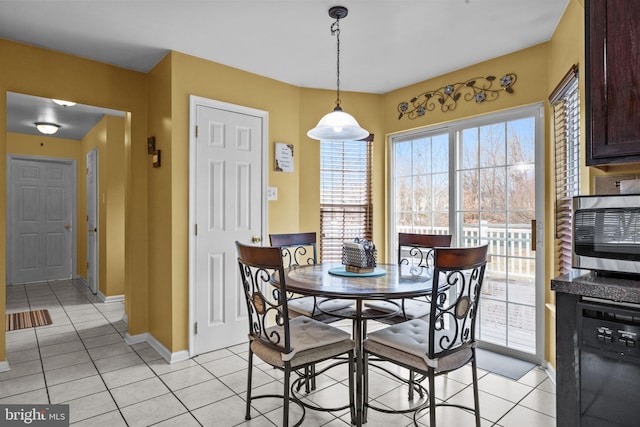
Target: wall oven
{"x": 606, "y": 233}
{"x": 609, "y": 364}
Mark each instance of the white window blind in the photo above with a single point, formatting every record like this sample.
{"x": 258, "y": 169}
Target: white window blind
{"x": 565, "y": 100}
{"x": 345, "y": 195}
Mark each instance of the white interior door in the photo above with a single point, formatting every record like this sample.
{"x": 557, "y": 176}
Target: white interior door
{"x": 92, "y": 220}
{"x": 228, "y": 205}
{"x": 41, "y": 198}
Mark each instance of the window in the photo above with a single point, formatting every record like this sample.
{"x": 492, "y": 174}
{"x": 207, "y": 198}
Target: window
{"x": 345, "y": 195}
{"x": 565, "y": 100}
{"x": 476, "y": 179}
{"x": 422, "y": 184}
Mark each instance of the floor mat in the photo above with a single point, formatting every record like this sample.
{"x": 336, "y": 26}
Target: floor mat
{"x": 27, "y": 319}
{"x": 502, "y": 365}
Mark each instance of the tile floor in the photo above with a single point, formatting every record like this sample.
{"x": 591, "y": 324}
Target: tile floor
{"x": 82, "y": 360}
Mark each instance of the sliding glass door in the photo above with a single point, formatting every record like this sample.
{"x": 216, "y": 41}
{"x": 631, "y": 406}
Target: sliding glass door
{"x": 476, "y": 180}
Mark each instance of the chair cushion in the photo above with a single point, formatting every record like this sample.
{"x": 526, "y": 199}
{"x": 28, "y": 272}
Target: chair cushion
{"x": 305, "y": 305}
{"x": 409, "y": 342}
{"x": 307, "y": 334}
{"x": 413, "y": 309}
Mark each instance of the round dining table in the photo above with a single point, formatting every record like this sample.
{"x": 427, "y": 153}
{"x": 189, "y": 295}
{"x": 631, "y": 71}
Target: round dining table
{"x": 385, "y": 282}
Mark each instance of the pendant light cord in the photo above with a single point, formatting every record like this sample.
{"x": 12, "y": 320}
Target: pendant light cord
{"x": 335, "y": 31}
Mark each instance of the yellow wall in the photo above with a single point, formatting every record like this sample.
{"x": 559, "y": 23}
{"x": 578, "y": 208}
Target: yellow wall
{"x": 161, "y": 315}
{"x": 35, "y": 71}
{"x": 108, "y": 136}
{"x": 194, "y": 76}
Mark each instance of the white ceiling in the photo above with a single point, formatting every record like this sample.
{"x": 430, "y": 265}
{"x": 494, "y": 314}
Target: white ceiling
{"x": 385, "y": 44}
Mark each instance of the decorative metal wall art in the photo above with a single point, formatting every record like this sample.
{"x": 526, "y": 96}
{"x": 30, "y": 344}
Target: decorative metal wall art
{"x": 479, "y": 89}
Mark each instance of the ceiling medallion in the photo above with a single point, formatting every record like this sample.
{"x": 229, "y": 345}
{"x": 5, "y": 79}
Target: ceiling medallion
{"x": 479, "y": 89}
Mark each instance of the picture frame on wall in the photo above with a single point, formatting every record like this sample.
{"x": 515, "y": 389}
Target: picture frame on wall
{"x": 283, "y": 157}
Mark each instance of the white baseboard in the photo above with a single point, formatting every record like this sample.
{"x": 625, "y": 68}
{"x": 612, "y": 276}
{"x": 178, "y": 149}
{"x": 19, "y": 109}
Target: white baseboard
{"x": 113, "y": 298}
{"x": 551, "y": 372}
{"x": 4, "y": 366}
{"x": 125, "y": 318}
{"x": 167, "y": 355}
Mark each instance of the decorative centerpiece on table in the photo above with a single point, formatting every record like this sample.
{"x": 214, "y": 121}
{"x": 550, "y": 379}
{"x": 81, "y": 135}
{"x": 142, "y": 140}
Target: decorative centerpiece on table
{"x": 359, "y": 256}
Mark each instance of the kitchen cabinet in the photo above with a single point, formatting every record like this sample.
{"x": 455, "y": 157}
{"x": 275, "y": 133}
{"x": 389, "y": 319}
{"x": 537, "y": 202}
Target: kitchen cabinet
{"x": 612, "y": 51}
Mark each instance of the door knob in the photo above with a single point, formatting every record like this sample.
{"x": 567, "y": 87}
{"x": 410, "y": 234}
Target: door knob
{"x": 256, "y": 239}
{"x": 67, "y": 226}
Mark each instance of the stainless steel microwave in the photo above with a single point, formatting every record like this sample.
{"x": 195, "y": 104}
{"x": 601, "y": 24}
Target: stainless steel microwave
{"x": 606, "y": 233}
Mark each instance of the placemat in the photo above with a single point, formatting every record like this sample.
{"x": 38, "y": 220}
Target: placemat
{"x": 340, "y": 271}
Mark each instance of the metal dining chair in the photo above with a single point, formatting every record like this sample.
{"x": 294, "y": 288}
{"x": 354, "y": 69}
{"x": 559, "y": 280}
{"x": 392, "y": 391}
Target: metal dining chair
{"x": 415, "y": 251}
{"x": 300, "y": 249}
{"x": 289, "y": 344}
{"x": 446, "y": 341}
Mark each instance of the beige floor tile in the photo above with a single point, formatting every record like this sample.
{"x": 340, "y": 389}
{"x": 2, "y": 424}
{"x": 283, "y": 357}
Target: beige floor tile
{"x": 184, "y": 420}
{"x": 70, "y": 373}
{"x": 139, "y": 391}
{"x": 92, "y": 406}
{"x": 503, "y": 387}
{"x": 227, "y": 412}
{"x": 186, "y": 377}
{"x": 67, "y": 359}
{"x": 62, "y": 348}
{"x": 127, "y": 375}
{"x": 21, "y": 384}
{"x": 226, "y": 365}
{"x": 118, "y": 362}
{"x": 99, "y": 341}
{"x": 203, "y": 394}
{"x": 38, "y": 396}
{"x": 540, "y": 401}
{"x": 154, "y": 410}
{"x": 525, "y": 417}
{"x": 110, "y": 419}
{"x": 492, "y": 407}
{"x": 75, "y": 389}
{"x": 21, "y": 369}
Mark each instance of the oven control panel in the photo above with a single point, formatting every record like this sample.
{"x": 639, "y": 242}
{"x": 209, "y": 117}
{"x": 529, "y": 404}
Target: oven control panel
{"x": 610, "y": 329}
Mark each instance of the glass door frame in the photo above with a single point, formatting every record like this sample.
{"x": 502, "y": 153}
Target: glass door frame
{"x": 454, "y": 129}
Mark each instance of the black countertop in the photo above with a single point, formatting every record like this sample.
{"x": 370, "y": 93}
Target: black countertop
{"x": 587, "y": 283}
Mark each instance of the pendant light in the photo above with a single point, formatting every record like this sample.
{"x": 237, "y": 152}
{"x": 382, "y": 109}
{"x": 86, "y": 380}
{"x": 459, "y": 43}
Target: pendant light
{"x": 338, "y": 125}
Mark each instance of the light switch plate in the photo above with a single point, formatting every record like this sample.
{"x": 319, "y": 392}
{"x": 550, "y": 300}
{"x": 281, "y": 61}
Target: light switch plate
{"x": 272, "y": 193}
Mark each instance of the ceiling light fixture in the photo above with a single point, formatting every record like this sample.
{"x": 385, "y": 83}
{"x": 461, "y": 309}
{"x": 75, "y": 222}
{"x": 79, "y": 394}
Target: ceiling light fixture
{"x": 338, "y": 125}
{"x": 47, "y": 128}
{"x": 63, "y": 102}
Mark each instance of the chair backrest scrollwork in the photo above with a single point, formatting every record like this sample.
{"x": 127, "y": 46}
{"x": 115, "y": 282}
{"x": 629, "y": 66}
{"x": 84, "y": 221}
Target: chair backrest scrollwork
{"x": 297, "y": 248}
{"x": 258, "y": 267}
{"x": 454, "y": 303}
{"x": 416, "y": 250}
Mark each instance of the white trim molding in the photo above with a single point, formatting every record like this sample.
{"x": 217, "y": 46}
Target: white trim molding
{"x": 112, "y": 298}
{"x": 166, "y": 354}
{"x": 4, "y": 366}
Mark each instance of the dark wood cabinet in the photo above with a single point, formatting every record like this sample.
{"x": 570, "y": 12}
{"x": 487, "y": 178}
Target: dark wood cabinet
{"x": 612, "y": 50}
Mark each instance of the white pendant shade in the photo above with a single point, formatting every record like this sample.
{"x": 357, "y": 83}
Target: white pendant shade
{"x": 338, "y": 126}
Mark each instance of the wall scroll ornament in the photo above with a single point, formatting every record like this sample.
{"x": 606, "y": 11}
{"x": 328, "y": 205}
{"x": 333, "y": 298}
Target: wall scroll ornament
{"x": 479, "y": 89}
